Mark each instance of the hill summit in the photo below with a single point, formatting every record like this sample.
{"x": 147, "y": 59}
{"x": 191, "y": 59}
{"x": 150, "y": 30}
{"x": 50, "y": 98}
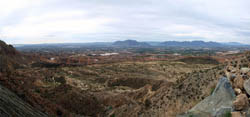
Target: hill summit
{"x": 130, "y": 43}
{"x": 6, "y": 49}
{"x": 10, "y": 103}
{"x": 9, "y": 57}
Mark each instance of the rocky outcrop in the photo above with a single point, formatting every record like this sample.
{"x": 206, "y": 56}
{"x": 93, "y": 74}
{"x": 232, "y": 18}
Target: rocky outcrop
{"x": 7, "y": 49}
{"x": 238, "y": 82}
{"x": 247, "y": 86}
{"x": 12, "y": 106}
{"x": 10, "y": 59}
{"x": 237, "y": 114}
{"x": 244, "y": 70}
{"x": 218, "y": 103}
{"x": 241, "y": 102}
{"x": 237, "y": 91}
{"x": 223, "y": 101}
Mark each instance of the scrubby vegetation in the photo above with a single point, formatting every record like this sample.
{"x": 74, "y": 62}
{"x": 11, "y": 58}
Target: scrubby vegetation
{"x": 123, "y": 85}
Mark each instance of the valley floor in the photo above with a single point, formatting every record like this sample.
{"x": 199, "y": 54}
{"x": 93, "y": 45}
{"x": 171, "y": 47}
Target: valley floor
{"x": 154, "y": 88}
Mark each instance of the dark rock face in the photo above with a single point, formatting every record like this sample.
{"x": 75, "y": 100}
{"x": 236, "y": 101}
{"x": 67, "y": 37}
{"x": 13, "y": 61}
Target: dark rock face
{"x": 221, "y": 99}
{"x": 12, "y": 106}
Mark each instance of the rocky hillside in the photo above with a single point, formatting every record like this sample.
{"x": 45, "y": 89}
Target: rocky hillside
{"x": 7, "y": 49}
{"x": 232, "y": 93}
{"x": 10, "y": 104}
{"x": 171, "y": 98}
{"x": 10, "y": 59}
{"x": 190, "y": 85}
{"x": 159, "y": 88}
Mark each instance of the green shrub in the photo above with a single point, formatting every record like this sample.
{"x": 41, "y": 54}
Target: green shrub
{"x": 113, "y": 115}
{"x": 227, "y": 114}
{"x": 212, "y": 89}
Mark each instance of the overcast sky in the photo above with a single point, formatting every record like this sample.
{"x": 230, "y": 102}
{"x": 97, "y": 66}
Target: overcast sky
{"x": 59, "y": 21}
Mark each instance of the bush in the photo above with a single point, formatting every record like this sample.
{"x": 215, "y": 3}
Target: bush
{"x": 212, "y": 89}
{"x": 113, "y": 115}
{"x": 227, "y": 114}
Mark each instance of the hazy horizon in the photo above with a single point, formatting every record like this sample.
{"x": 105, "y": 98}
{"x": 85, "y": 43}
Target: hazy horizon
{"x": 120, "y": 40}
{"x": 82, "y": 21}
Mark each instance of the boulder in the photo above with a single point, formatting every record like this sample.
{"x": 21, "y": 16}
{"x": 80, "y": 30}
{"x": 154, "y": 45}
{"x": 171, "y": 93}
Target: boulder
{"x": 241, "y": 102}
{"x": 245, "y": 70}
{"x": 237, "y": 91}
{"x": 231, "y": 76}
{"x": 230, "y": 68}
{"x": 247, "y": 86}
{"x": 238, "y": 82}
{"x": 248, "y": 113}
{"x": 234, "y": 70}
{"x": 236, "y": 114}
{"x": 222, "y": 98}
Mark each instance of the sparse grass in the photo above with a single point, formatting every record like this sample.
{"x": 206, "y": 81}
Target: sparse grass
{"x": 124, "y": 78}
{"x": 212, "y": 90}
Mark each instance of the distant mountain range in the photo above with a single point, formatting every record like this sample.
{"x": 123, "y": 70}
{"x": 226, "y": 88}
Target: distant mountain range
{"x": 134, "y": 43}
{"x": 234, "y": 44}
{"x": 200, "y": 44}
{"x": 191, "y": 44}
{"x": 130, "y": 43}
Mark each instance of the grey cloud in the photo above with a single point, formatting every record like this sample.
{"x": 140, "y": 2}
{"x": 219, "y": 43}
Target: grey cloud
{"x": 208, "y": 20}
